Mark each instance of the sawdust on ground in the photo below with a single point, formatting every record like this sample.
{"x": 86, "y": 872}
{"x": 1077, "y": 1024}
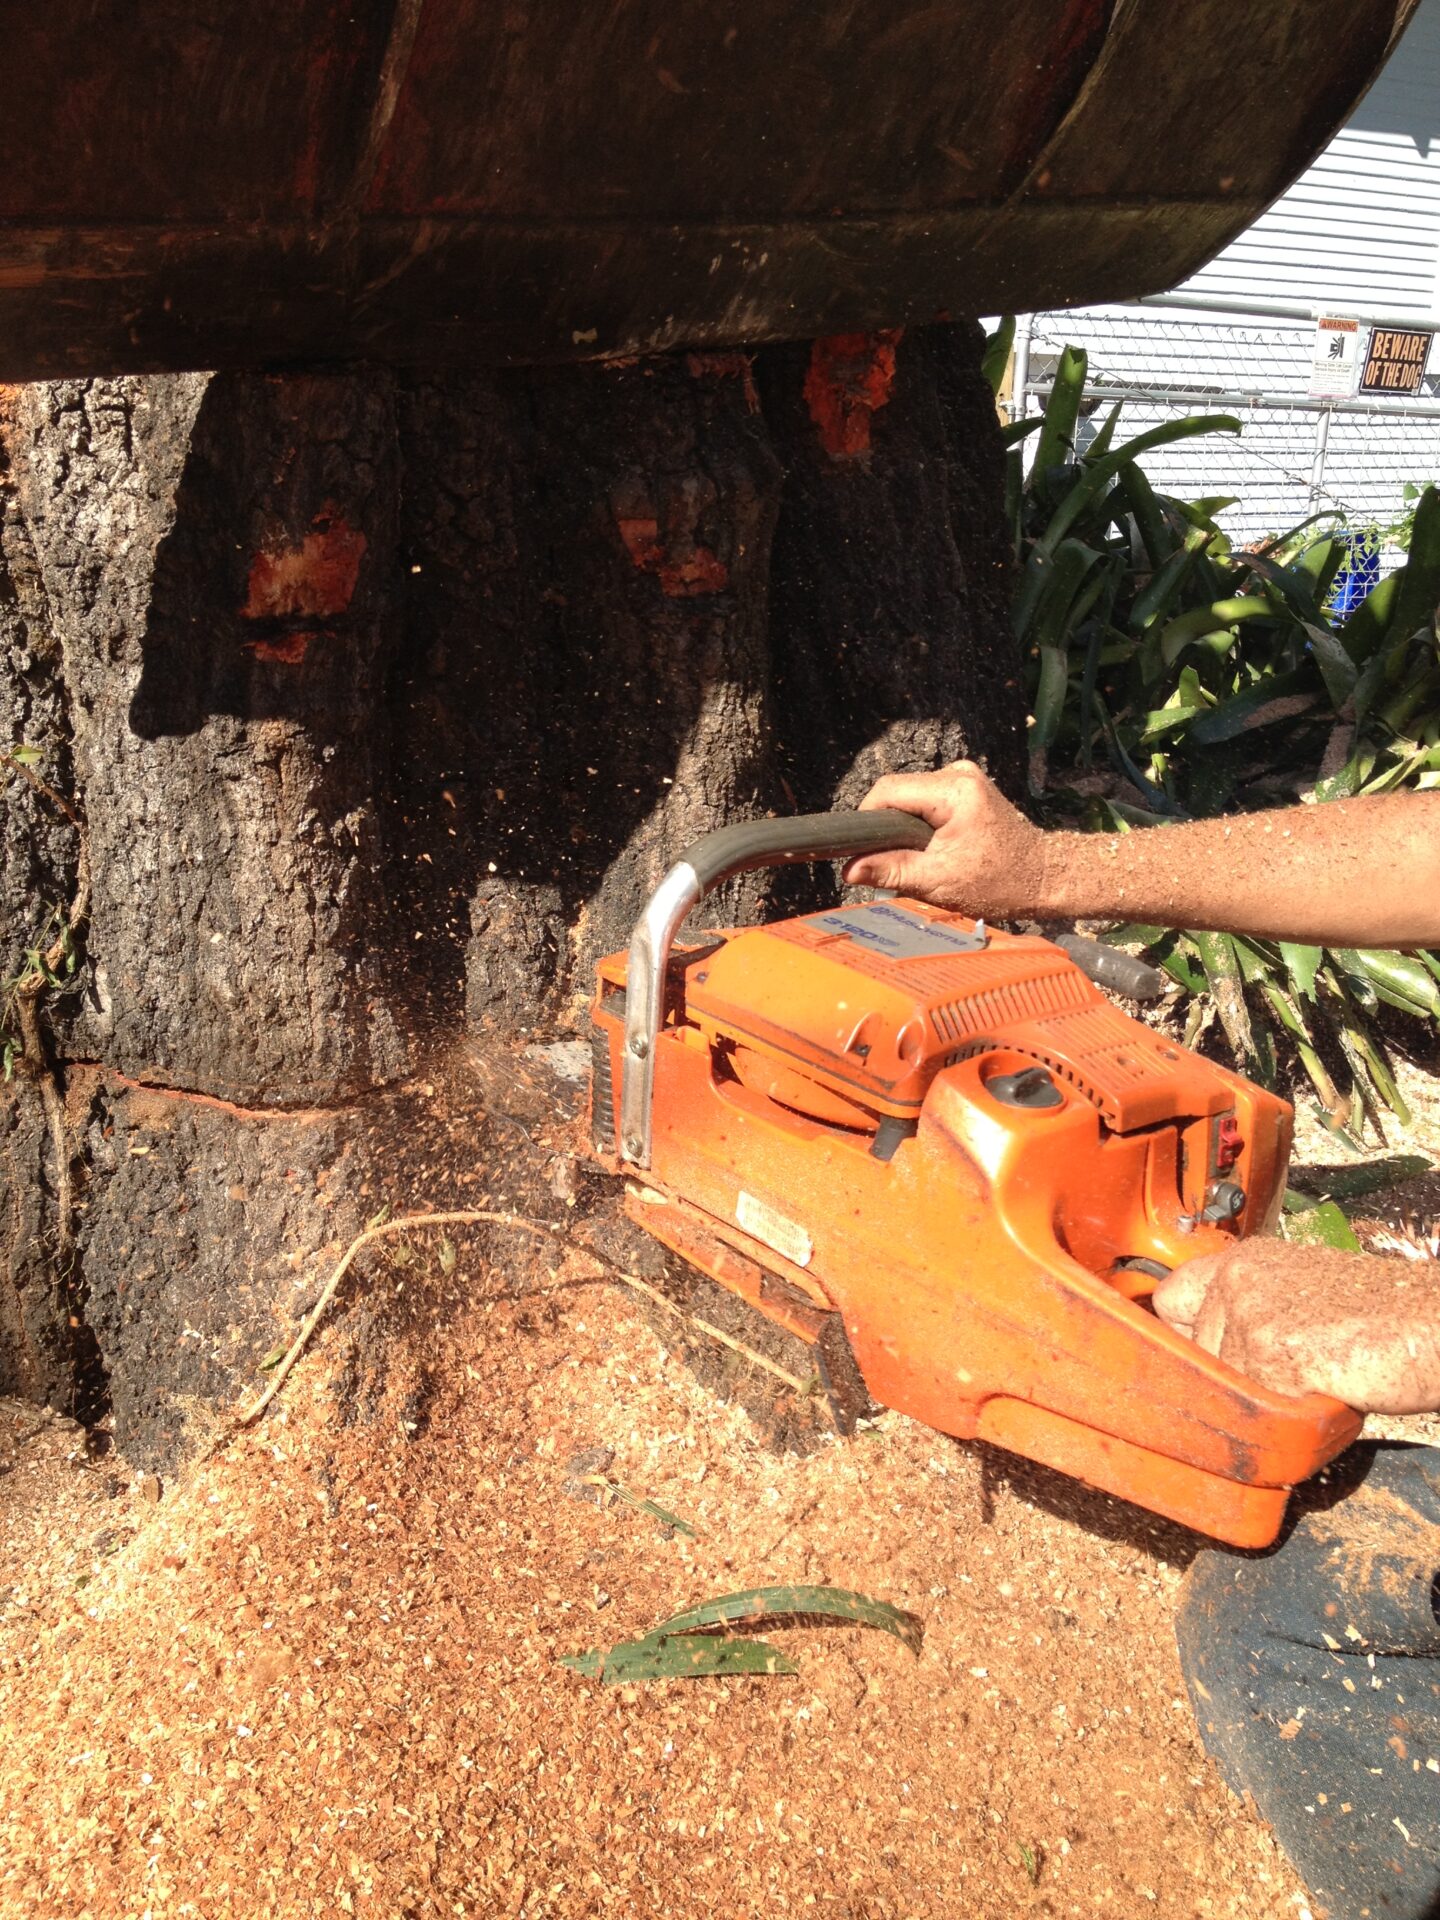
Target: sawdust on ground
{"x": 319, "y": 1673}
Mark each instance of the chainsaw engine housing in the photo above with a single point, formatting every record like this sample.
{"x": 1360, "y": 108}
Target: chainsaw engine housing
{"x": 947, "y": 1145}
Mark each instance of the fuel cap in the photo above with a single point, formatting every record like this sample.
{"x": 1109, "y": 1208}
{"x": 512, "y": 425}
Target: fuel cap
{"x": 1031, "y": 1087}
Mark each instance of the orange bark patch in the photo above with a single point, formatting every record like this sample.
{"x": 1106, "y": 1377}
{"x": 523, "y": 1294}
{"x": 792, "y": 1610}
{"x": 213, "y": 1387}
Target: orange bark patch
{"x": 678, "y": 563}
{"x": 851, "y": 377}
{"x": 310, "y": 579}
{"x": 726, "y": 366}
{"x": 288, "y": 648}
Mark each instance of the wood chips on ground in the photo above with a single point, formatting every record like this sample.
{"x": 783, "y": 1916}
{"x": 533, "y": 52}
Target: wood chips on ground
{"x": 319, "y": 1673}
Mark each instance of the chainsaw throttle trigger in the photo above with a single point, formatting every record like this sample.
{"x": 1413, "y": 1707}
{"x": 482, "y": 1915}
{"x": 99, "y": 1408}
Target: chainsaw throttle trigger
{"x": 753, "y": 843}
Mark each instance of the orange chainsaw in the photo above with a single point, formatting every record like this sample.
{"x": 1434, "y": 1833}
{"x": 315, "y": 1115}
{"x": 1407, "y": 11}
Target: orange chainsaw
{"x": 942, "y": 1160}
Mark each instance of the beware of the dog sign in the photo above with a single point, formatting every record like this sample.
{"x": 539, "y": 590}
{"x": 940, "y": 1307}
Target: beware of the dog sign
{"x": 1395, "y": 360}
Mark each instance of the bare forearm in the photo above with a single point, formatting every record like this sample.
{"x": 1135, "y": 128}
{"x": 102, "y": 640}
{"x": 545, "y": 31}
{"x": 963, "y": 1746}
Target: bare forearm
{"x": 1350, "y": 873}
{"x": 1356, "y": 873}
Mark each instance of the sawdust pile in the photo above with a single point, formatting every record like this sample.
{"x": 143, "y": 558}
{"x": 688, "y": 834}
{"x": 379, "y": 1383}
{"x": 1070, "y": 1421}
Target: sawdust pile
{"x": 319, "y": 1673}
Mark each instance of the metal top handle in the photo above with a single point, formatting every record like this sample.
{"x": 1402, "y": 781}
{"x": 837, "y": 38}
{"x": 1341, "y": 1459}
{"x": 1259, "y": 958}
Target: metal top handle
{"x": 753, "y": 843}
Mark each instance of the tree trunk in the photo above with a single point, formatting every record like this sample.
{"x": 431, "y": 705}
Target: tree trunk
{"x": 383, "y": 700}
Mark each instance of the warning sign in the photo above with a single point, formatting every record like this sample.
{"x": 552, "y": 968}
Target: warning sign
{"x": 1337, "y": 354}
{"x": 1395, "y": 360}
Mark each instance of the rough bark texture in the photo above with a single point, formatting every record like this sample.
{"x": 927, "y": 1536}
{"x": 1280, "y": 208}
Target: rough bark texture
{"x": 384, "y": 699}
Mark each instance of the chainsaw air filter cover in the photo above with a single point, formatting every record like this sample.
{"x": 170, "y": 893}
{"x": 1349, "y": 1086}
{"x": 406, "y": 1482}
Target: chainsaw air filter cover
{"x": 873, "y": 1001}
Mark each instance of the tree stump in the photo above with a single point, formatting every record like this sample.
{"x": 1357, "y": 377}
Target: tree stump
{"x": 375, "y": 703}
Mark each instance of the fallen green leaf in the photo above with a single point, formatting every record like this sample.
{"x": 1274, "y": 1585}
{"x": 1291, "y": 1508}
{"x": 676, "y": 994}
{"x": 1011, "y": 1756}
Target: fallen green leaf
{"x": 676, "y": 1657}
{"x": 1322, "y": 1224}
{"x": 687, "y": 1647}
{"x": 768, "y": 1603}
{"x": 655, "y": 1511}
{"x": 1370, "y": 1176}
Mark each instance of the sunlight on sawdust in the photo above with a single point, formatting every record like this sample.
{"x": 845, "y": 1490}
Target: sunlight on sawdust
{"x": 319, "y": 1673}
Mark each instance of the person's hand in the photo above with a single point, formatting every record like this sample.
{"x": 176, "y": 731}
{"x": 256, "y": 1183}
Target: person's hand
{"x": 985, "y": 857}
{"x": 1363, "y": 1328}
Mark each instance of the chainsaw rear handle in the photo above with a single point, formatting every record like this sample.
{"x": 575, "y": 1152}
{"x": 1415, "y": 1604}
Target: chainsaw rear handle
{"x": 805, "y": 837}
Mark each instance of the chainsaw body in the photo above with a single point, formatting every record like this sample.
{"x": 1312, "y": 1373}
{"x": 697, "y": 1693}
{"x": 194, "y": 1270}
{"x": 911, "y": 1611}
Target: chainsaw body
{"x": 956, "y": 1170}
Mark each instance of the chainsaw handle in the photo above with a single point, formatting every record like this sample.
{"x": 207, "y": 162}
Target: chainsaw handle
{"x": 719, "y": 855}
{"x": 804, "y": 837}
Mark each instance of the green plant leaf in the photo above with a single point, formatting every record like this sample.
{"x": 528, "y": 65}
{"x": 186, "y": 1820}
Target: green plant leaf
{"x": 1155, "y": 536}
{"x": 1101, "y": 444}
{"x": 1368, "y": 625}
{"x": 1133, "y": 934}
{"x": 1097, "y": 476}
{"x": 1244, "y": 711}
{"x": 1050, "y": 693}
{"x": 1398, "y": 978}
{"x": 1321, "y": 1223}
{"x": 1220, "y": 959}
{"x": 1302, "y": 964}
{"x": 656, "y": 1512}
{"x": 1018, "y": 429}
{"x": 1336, "y": 1108}
{"x": 677, "y": 1657}
{"x": 1057, "y": 436}
{"x": 24, "y": 756}
{"x": 1202, "y": 512}
{"x": 1374, "y": 1066}
{"x": 1370, "y": 1176}
{"x": 1219, "y": 617}
{"x": 754, "y": 1604}
{"x": 1337, "y": 669}
{"x": 1320, "y": 562}
{"x": 1188, "y": 700}
{"x": 996, "y": 357}
{"x": 1048, "y": 590}
{"x": 1418, "y": 591}
{"x": 1181, "y": 968}
{"x": 686, "y": 1646}
{"x": 1156, "y": 597}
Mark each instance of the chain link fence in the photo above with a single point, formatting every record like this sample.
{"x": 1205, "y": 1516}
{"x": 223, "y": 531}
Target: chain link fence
{"x": 1295, "y": 455}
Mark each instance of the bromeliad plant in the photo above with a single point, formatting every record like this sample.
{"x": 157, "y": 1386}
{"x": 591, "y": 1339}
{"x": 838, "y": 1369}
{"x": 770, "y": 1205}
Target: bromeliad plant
{"x": 1174, "y": 675}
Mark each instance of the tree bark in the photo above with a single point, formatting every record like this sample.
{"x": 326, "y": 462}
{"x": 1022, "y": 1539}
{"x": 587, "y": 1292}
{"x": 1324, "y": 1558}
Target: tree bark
{"x": 383, "y": 700}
